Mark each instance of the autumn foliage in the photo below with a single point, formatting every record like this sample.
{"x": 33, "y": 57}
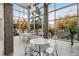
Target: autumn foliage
{"x": 63, "y": 23}
{"x": 21, "y": 25}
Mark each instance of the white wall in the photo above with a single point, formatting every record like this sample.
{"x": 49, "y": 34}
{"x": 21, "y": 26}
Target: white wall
{"x": 1, "y": 21}
{"x": 1, "y": 29}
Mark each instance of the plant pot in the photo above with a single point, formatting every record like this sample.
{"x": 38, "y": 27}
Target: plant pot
{"x": 71, "y": 41}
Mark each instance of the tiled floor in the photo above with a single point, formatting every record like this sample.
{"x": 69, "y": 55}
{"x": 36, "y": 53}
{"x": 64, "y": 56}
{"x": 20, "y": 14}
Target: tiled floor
{"x": 63, "y": 48}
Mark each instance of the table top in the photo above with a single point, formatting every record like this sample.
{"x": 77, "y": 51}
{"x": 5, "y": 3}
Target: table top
{"x": 39, "y": 41}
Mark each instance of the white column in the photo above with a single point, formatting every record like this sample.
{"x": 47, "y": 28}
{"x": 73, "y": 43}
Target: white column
{"x": 1, "y": 21}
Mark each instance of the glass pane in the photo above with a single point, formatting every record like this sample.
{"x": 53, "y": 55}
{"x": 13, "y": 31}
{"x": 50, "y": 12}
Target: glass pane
{"x": 60, "y": 5}
{"x": 42, "y": 11}
{"x": 16, "y": 7}
{"x": 38, "y": 26}
{"x": 51, "y": 16}
{"x": 51, "y": 7}
{"x": 31, "y": 16}
{"x": 15, "y": 13}
{"x": 39, "y": 5}
{"x": 67, "y": 11}
{"x": 66, "y": 21}
{"x": 51, "y": 24}
{"x": 15, "y": 18}
{"x": 21, "y": 9}
{"x": 21, "y": 14}
{"x": 21, "y": 19}
{"x": 32, "y": 26}
{"x": 25, "y": 10}
{"x": 25, "y": 16}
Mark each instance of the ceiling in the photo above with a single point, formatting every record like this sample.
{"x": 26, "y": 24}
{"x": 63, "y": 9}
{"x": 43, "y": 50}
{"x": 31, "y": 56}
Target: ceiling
{"x": 25, "y": 5}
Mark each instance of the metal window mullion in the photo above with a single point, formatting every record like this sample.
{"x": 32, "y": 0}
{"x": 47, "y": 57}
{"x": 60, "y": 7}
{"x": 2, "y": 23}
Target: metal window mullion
{"x": 78, "y": 21}
{"x": 42, "y": 25}
{"x": 19, "y": 21}
{"x": 55, "y": 19}
{"x": 19, "y": 11}
{"x": 34, "y": 21}
{"x": 28, "y": 18}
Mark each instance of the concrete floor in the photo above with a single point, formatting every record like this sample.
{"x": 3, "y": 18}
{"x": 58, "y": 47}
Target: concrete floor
{"x": 1, "y": 47}
{"x": 19, "y": 47}
{"x": 63, "y": 48}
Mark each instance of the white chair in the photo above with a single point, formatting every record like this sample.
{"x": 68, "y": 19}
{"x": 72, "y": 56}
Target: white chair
{"x": 20, "y": 36}
{"x": 25, "y": 38}
{"x": 52, "y": 47}
{"x": 29, "y": 47}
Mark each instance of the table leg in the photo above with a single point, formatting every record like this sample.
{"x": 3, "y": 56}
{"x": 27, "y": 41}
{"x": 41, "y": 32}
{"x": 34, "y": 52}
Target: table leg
{"x": 39, "y": 50}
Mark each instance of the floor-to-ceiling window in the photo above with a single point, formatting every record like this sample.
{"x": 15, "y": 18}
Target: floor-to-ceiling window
{"x": 62, "y": 20}
{"x": 37, "y": 19}
{"x": 66, "y": 18}
{"x": 60, "y": 16}
{"x": 20, "y": 19}
{"x": 51, "y": 20}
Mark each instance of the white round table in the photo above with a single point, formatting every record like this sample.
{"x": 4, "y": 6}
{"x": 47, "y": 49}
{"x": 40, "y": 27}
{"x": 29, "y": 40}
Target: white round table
{"x": 39, "y": 42}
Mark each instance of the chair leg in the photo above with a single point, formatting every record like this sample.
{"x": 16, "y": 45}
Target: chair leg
{"x": 25, "y": 54}
{"x": 52, "y": 54}
{"x": 43, "y": 53}
{"x": 37, "y": 54}
{"x": 25, "y": 50}
{"x": 56, "y": 52}
{"x": 31, "y": 53}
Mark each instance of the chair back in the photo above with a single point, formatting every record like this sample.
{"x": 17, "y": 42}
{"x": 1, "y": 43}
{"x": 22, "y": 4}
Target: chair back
{"x": 51, "y": 43}
{"x": 25, "y": 37}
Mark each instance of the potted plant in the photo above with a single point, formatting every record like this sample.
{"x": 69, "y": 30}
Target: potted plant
{"x": 72, "y": 32}
{"x": 72, "y": 29}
